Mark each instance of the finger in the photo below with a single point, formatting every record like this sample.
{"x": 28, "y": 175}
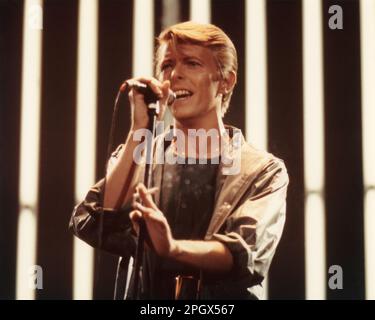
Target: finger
{"x": 165, "y": 89}
{"x": 154, "y": 84}
{"x": 146, "y": 212}
{"x": 156, "y": 218}
{"x": 146, "y": 197}
{"x": 131, "y": 97}
{"x": 137, "y": 197}
{"x": 135, "y": 216}
{"x": 152, "y": 190}
{"x": 164, "y": 102}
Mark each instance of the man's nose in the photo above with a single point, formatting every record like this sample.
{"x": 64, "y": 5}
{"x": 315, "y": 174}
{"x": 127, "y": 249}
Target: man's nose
{"x": 177, "y": 72}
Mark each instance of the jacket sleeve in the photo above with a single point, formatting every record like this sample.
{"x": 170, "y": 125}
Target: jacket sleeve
{"x": 107, "y": 229}
{"x": 254, "y": 229}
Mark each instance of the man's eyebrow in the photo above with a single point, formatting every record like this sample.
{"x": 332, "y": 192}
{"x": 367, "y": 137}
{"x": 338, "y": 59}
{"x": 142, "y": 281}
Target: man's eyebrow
{"x": 166, "y": 60}
{"x": 190, "y": 56}
{"x": 184, "y": 57}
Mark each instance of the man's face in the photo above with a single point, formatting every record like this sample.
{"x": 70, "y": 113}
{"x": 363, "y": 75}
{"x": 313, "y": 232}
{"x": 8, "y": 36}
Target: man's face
{"x": 194, "y": 78}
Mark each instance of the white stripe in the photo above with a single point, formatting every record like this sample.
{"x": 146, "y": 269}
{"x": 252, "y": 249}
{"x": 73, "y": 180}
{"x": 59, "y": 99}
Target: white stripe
{"x": 143, "y": 35}
{"x": 315, "y": 248}
{"x": 367, "y": 14}
{"x": 171, "y": 16}
{"x": 171, "y": 13}
{"x": 256, "y": 80}
{"x": 86, "y": 136}
{"x": 143, "y": 54}
{"x": 30, "y": 145}
{"x": 313, "y": 149}
{"x": 256, "y": 74}
{"x": 200, "y": 11}
{"x": 369, "y": 222}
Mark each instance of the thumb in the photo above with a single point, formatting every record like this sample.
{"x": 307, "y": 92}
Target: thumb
{"x": 164, "y": 101}
{"x": 135, "y": 216}
{"x": 166, "y": 85}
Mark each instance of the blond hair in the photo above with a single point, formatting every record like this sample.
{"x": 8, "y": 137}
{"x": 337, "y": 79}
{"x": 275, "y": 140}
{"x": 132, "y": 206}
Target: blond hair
{"x": 206, "y": 35}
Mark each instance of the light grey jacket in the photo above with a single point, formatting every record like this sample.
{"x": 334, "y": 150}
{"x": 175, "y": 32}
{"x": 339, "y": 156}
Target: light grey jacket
{"x": 248, "y": 218}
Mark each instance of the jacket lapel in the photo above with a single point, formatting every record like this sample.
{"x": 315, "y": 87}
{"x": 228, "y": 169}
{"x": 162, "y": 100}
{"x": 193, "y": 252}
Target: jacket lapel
{"x": 229, "y": 187}
{"x": 229, "y": 190}
{"x": 160, "y": 147}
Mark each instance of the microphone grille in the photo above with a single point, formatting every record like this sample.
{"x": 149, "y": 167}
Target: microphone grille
{"x": 171, "y": 98}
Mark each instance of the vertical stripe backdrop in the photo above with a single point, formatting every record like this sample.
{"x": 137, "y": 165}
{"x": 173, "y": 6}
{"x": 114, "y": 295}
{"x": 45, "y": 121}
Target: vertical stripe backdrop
{"x": 304, "y": 93}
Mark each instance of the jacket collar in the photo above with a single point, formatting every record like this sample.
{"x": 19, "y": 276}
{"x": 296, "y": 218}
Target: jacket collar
{"x": 233, "y": 173}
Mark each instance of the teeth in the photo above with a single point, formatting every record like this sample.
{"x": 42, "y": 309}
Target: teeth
{"x": 182, "y": 93}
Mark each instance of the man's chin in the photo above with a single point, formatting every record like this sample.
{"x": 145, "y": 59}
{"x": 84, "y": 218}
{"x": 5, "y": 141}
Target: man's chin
{"x": 182, "y": 113}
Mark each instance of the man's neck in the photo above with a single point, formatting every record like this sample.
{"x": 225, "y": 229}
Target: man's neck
{"x": 211, "y": 121}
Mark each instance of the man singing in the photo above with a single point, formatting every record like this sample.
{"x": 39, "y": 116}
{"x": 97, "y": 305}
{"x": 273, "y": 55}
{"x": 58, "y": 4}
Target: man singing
{"x": 212, "y": 231}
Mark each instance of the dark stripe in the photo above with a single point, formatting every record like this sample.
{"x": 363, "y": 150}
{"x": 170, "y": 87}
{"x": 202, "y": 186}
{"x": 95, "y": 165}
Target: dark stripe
{"x": 183, "y": 7}
{"x": 158, "y": 15}
{"x": 11, "y": 24}
{"x": 58, "y": 133}
{"x": 184, "y": 10}
{"x": 115, "y": 65}
{"x": 223, "y": 14}
{"x": 343, "y": 150}
{"x": 285, "y": 132}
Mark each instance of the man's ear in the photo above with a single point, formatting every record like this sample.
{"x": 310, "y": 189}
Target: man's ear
{"x": 228, "y": 83}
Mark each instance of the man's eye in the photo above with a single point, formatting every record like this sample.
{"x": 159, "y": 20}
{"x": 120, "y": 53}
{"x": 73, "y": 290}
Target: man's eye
{"x": 193, "y": 63}
{"x": 166, "y": 66}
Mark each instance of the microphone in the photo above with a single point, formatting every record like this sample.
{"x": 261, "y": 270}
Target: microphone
{"x": 149, "y": 95}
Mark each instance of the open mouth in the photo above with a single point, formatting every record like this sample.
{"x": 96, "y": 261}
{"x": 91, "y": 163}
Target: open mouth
{"x": 183, "y": 94}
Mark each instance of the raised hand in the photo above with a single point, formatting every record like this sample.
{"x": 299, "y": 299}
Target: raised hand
{"x": 157, "y": 225}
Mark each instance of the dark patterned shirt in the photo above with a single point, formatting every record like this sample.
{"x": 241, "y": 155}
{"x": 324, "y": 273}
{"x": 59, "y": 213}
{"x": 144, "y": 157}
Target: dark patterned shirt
{"x": 187, "y": 200}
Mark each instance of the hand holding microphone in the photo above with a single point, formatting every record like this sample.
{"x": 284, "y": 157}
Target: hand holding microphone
{"x": 142, "y": 92}
{"x": 150, "y": 93}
